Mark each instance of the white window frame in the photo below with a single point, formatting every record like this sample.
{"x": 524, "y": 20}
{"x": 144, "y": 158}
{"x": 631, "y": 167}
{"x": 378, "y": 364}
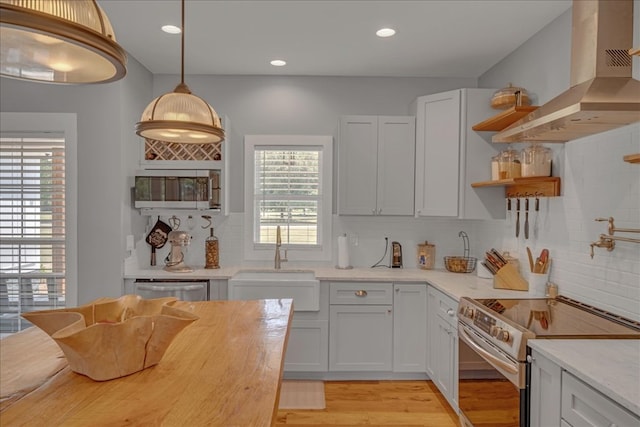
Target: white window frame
{"x": 66, "y": 124}
{"x": 261, "y": 252}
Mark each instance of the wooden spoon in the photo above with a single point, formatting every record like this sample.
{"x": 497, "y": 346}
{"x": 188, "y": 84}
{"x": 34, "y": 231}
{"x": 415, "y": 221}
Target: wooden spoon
{"x": 530, "y": 259}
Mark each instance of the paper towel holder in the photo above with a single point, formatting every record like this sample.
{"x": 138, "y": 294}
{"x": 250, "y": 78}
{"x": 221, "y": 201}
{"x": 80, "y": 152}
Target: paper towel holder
{"x": 343, "y": 252}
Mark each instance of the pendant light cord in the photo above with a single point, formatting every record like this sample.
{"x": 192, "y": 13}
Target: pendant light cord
{"x": 182, "y": 48}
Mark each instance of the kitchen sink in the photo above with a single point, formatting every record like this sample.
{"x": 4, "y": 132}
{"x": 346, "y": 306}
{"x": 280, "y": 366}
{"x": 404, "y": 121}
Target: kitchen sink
{"x": 302, "y": 286}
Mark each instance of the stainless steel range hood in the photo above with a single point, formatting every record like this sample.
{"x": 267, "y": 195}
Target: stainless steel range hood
{"x": 603, "y": 95}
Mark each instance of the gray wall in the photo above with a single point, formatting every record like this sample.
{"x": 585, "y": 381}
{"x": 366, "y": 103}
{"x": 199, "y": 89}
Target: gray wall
{"x": 595, "y": 183}
{"x": 299, "y": 105}
{"x": 541, "y": 64}
{"x": 102, "y": 146}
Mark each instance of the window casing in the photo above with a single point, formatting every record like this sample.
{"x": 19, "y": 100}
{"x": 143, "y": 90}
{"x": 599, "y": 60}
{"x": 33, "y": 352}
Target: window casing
{"x": 38, "y": 215}
{"x": 288, "y": 184}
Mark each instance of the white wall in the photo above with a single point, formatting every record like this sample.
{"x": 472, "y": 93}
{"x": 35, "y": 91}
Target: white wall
{"x": 101, "y": 150}
{"x": 595, "y": 183}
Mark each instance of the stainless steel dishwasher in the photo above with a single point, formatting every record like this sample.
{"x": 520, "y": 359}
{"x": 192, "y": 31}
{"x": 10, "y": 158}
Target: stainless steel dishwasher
{"x": 183, "y": 289}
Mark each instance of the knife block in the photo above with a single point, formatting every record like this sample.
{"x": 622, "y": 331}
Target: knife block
{"x": 508, "y": 277}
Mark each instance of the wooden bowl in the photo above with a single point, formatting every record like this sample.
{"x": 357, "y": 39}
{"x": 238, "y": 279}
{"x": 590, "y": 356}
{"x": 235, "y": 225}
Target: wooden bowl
{"x": 116, "y": 337}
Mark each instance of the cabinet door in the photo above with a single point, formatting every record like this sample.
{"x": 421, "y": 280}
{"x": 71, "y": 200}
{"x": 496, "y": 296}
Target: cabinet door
{"x": 584, "y": 406}
{"x": 357, "y": 174}
{"x": 445, "y": 361}
{"x": 437, "y": 154}
{"x": 409, "y": 327}
{"x": 442, "y": 345}
{"x": 308, "y": 346}
{"x": 396, "y": 153}
{"x": 360, "y": 337}
{"x": 545, "y": 391}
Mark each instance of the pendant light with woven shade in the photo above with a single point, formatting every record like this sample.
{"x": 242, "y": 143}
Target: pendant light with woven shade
{"x": 180, "y": 116}
{"x": 58, "y": 41}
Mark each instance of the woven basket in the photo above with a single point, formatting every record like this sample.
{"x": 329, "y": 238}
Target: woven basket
{"x": 460, "y": 264}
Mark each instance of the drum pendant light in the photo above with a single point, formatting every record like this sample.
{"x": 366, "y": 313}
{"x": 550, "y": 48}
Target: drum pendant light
{"x": 180, "y": 116}
{"x": 58, "y": 41}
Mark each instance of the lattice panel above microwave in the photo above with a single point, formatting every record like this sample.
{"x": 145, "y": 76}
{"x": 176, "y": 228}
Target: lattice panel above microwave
{"x": 158, "y": 150}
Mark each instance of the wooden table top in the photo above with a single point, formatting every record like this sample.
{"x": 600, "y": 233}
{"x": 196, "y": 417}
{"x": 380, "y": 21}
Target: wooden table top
{"x": 225, "y": 369}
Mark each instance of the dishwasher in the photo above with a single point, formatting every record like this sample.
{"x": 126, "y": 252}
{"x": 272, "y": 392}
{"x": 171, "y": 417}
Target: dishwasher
{"x": 183, "y": 289}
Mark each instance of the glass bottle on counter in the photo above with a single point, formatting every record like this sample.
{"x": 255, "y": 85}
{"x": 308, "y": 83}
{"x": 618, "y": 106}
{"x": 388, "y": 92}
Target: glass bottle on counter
{"x": 212, "y": 251}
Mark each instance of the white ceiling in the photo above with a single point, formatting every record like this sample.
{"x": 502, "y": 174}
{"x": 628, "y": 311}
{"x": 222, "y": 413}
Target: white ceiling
{"x": 449, "y": 38}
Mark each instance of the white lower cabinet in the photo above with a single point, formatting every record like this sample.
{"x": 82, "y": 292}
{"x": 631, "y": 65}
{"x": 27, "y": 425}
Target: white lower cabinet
{"x": 559, "y": 398}
{"x": 545, "y": 391}
{"x": 442, "y": 344}
{"x": 409, "y": 327}
{"x": 307, "y": 346}
{"x": 360, "y": 327}
{"x": 583, "y": 406}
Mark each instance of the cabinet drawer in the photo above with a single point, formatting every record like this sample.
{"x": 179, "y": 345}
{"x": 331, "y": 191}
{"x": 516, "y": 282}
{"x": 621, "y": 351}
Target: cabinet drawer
{"x": 361, "y": 293}
{"x": 583, "y": 406}
{"x": 444, "y": 306}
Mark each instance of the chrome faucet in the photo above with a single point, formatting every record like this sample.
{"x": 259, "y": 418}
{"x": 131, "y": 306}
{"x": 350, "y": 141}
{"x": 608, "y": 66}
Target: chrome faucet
{"x": 278, "y": 259}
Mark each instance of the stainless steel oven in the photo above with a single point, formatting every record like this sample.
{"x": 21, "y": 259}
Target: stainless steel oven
{"x": 496, "y": 332}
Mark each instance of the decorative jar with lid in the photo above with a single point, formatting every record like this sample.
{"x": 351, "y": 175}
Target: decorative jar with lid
{"x": 536, "y": 161}
{"x": 509, "y": 165}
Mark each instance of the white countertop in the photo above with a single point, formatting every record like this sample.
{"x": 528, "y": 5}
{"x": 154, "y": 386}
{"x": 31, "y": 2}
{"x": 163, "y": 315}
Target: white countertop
{"x": 610, "y": 366}
{"x": 455, "y": 285}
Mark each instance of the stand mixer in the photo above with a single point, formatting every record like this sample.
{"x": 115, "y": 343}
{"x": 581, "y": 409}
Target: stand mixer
{"x": 178, "y": 239}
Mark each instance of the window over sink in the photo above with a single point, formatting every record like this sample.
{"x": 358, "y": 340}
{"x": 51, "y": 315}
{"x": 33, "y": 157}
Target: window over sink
{"x": 288, "y": 183}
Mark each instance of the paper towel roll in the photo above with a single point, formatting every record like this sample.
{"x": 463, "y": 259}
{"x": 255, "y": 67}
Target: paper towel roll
{"x": 343, "y": 252}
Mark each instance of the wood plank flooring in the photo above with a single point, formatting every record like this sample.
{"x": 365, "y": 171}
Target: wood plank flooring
{"x": 375, "y": 403}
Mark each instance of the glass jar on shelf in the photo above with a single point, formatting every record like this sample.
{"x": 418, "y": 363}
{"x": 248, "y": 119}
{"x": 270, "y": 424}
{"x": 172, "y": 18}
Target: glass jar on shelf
{"x": 509, "y": 165}
{"x": 495, "y": 167}
{"x": 536, "y": 161}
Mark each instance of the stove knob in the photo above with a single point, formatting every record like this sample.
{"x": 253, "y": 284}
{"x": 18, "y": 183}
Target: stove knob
{"x": 494, "y": 330}
{"x": 503, "y": 335}
{"x": 468, "y": 312}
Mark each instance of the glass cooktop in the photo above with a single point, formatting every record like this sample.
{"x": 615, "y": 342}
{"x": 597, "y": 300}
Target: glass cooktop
{"x": 562, "y": 318}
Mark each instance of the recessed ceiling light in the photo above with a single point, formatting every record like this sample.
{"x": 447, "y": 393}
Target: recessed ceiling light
{"x": 278, "y": 63}
{"x": 385, "y": 32}
{"x": 171, "y": 29}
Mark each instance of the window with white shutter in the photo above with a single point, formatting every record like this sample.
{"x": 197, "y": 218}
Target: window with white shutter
{"x": 288, "y": 184}
{"x": 32, "y": 226}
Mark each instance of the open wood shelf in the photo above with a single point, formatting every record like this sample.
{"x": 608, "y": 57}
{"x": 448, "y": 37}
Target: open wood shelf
{"x": 632, "y": 158}
{"x": 543, "y": 186}
{"x": 504, "y": 119}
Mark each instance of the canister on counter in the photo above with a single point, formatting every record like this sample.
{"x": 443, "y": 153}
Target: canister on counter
{"x": 426, "y": 255}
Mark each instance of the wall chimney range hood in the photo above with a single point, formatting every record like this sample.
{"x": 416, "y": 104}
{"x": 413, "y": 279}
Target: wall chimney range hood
{"x": 603, "y": 95}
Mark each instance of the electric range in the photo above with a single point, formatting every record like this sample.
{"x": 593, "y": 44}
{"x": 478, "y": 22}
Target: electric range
{"x": 496, "y": 332}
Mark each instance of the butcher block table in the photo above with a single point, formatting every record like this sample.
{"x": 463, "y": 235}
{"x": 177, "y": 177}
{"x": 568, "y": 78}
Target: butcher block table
{"x": 224, "y": 369}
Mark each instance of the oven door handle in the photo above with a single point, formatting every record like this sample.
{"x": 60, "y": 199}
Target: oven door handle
{"x": 499, "y": 362}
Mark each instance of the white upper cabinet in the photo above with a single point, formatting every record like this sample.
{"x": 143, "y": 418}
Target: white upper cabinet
{"x": 376, "y": 165}
{"x": 450, "y": 156}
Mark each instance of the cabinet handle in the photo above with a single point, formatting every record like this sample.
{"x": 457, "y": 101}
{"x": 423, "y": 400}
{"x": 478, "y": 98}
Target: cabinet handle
{"x": 530, "y": 358}
{"x": 397, "y": 290}
{"x": 373, "y": 211}
{"x": 379, "y": 211}
{"x": 451, "y": 312}
{"x": 361, "y": 293}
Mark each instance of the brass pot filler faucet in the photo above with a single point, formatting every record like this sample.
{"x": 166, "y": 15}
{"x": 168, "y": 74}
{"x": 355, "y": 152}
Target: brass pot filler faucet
{"x": 608, "y": 240}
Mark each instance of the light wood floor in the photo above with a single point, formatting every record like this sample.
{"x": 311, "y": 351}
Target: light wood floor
{"x": 376, "y": 403}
